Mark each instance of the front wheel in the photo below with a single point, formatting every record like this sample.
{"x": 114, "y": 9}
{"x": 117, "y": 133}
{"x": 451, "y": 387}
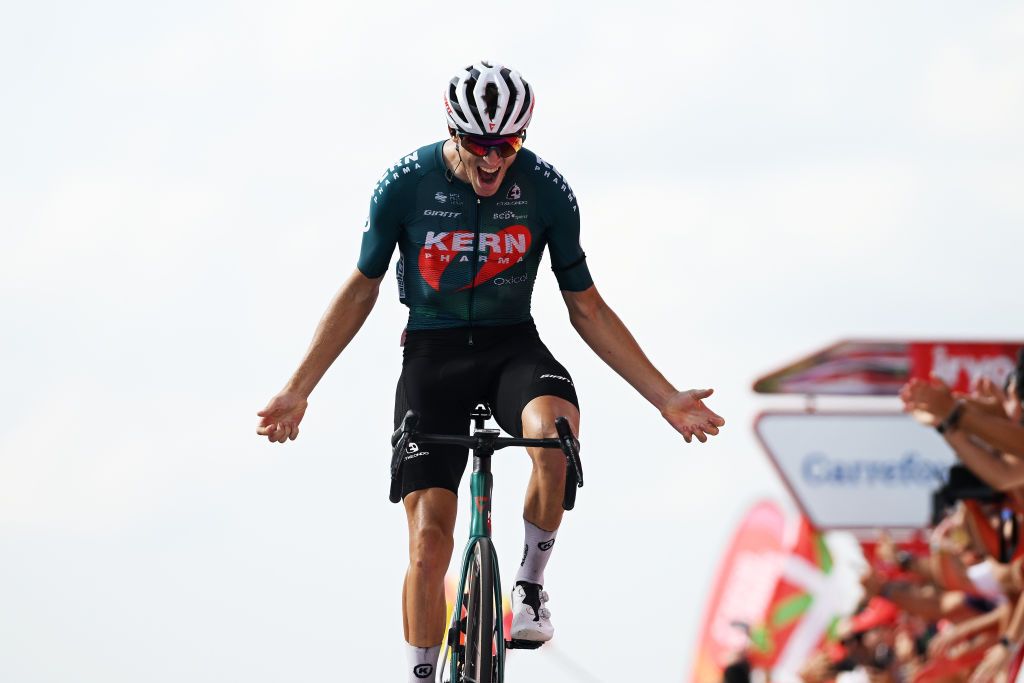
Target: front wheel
{"x": 480, "y": 655}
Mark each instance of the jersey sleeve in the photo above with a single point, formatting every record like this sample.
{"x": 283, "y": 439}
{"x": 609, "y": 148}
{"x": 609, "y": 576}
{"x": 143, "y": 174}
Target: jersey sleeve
{"x": 568, "y": 260}
{"x": 384, "y": 224}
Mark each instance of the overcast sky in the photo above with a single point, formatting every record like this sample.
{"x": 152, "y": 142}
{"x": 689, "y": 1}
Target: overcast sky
{"x": 184, "y": 188}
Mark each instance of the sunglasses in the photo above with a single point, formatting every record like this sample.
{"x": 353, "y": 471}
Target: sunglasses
{"x": 505, "y": 146}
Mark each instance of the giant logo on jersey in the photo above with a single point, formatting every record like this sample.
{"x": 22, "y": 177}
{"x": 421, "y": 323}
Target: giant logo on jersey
{"x": 499, "y": 251}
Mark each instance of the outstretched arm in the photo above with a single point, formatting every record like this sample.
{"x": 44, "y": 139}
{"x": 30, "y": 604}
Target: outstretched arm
{"x": 1001, "y": 471}
{"x": 606, "y": 334}
{"x": 346, "y": 314}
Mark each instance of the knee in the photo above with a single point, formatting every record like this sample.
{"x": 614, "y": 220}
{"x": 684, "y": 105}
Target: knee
{"x": 430, "y": 549}
{"x": 539, "y": 427}
{"x": 549, "y": 464}
{"x": 540, "y": 414}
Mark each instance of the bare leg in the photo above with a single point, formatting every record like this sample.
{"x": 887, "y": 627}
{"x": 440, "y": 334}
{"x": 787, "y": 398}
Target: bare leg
{"x": 543, "y": 506}
{"x": 431, "y": 516}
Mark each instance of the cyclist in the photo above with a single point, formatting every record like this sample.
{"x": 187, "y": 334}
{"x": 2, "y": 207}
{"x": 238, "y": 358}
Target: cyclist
{"x": 471, "y": 216}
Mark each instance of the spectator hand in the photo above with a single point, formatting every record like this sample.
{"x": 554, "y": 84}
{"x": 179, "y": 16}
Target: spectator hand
{"x": 990, "y": 397}
{"x": 996, "y": 660}
{"x": 686, "y": 412}
{"x": 279, "y": 421}
{"x": 939, "y": 645}
{"x": 928, "y": 401}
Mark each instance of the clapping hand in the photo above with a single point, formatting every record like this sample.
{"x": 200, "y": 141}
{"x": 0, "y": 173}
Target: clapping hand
{"x": 929, "y": 401}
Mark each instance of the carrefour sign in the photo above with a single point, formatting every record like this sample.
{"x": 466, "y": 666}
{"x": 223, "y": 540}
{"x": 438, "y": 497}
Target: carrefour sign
{"x": 850, "y": 470}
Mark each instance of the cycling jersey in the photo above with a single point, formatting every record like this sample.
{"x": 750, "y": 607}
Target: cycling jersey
{"x": 469, "y": 261}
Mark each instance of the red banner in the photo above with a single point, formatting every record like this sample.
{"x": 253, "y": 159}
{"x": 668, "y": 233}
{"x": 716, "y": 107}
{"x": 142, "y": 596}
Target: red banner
{"x": 961, "y": 365}
{"x": 743, "y": 590}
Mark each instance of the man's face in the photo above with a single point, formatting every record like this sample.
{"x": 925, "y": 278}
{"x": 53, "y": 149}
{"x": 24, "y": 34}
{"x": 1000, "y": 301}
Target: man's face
{"x": 485, "y": 173}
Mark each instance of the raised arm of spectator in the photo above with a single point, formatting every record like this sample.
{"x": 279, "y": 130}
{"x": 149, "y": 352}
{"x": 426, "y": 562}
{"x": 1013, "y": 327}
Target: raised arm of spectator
{"x": 998, "y": 657}
{"x": 998, "y": 432}
{"x": 1001, "y": 471}
{"x": 932, "y": 402}
{"x": 958, "y": 633}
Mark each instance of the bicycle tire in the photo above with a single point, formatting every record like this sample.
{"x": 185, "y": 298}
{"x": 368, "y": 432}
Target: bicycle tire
{"x": 479, "y": 654}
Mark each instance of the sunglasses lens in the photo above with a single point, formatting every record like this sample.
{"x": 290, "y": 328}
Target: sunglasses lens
{"x": 505, "y": 147}
{"x": 473, "y": 147}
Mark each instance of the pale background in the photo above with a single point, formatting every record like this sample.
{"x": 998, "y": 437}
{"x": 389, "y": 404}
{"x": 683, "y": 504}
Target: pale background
{"x": 184, "y": 186}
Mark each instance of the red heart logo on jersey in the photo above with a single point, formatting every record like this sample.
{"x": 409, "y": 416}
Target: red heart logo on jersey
{"x": 504, "y": 249}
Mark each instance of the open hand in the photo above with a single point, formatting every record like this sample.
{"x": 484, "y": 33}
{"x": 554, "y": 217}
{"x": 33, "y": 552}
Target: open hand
{"x": 279, "y": 421}
{"x": 686, "y": 412}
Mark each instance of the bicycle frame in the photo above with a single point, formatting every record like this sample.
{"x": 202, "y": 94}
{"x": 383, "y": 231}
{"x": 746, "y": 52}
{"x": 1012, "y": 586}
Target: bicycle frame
{"x": 481, "y": 484}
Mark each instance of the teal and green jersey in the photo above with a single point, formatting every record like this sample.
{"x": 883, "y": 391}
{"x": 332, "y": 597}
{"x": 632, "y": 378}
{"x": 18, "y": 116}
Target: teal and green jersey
{"x": 467, "y": 261}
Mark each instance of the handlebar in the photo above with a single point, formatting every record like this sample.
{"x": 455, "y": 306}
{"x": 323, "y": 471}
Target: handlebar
{"x": 487, "y": 440}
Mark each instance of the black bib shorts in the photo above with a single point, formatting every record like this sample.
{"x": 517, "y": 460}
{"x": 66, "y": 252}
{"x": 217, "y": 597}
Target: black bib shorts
{"x": 444, "y": 378}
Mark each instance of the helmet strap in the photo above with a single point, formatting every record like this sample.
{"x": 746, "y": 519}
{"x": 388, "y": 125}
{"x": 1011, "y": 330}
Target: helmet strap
{"x": 449, "y": 173}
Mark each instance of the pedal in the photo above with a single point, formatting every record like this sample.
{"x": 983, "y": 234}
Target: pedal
{"x": 517, "y": 644}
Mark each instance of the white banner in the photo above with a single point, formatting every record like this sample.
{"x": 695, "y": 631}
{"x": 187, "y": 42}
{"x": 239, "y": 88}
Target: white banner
{"x": 857, "y": 470}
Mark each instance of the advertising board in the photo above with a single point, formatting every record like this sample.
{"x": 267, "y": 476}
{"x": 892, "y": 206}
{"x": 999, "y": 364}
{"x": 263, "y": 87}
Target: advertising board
{"x": 857, "y": 470}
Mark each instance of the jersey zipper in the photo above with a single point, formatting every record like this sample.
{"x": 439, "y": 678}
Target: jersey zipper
{"x": 473, "y": 268}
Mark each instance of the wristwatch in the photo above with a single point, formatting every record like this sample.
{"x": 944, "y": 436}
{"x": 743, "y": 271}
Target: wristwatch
{"x": 953, "y": 419}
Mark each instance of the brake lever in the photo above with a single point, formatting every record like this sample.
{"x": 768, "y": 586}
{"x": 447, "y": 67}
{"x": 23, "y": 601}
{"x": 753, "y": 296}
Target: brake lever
{"x": 571, "y": 448}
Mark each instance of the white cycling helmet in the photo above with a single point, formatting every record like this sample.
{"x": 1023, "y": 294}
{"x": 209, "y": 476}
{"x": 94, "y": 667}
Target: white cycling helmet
{"x": 488, "y": 99}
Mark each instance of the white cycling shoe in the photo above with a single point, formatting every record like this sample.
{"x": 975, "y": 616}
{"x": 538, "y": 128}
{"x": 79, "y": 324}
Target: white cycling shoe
{"x": 530, "y": 619}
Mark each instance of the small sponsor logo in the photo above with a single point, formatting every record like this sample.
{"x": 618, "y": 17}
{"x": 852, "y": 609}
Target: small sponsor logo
{"x": 514, "y": 280}
{"x": 550, "y": 376}
{"x": 441, "y": 198}
{"x": 412, "y": 450}
{"x": 514, "y": 193}
{"x": 423, "y": 670}
{"x": 509, "y": 215}
{"x": 546, "y": 545}
{"x": 442, "y": 214}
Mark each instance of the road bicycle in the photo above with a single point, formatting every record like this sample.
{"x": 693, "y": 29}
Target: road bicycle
{"x": 475, "y": 645}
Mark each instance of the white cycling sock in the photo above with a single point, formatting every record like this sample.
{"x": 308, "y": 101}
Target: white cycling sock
{"x": 536, "y": 552}
{"x": 422, "y": 662}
